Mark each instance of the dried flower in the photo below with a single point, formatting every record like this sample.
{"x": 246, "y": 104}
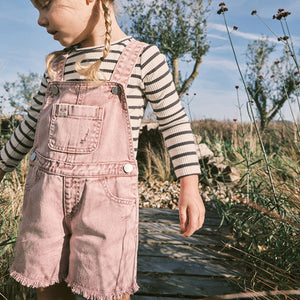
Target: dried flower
{"x": 280, "y": 9}
{"x": 298, "y": 83}
{"x": 222, "y": 4}
{"x": 234, "y": 120}
{"x": 195, "y": 94}
{"x": 260, "y": 76}
{"x": 276, "y": 62}
{"x": 187, "y": 94}
{"x": 286, "y": 37}
{"x": 296, "y": 73}
{"x": 272, "y": 76}
{"x": 222, "y": 9}
{"x": 237, "y": 87}
{"x": 292, "y": 55}
{"x": 280, "y": 38}
{"x": 235, "y": 28}
{"x": 251, "y": 101}
{"x": 254, "y": 12}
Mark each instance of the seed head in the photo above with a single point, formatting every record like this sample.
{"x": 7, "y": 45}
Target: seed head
{"x": 296, "y": 73}
{"x": 276, "y": 62}
{"x": 222, "y": 10}
{"x": 253, "y": 12}
{"x": 280, "y": 39}
{"x": 272, "y": 76}
{"x": 234, "y": 120}
{"x": 280, "y": 9}
{"x": 237, "y": 87}
{"x": 235, "y": 28}
{"x": 286, "y": 37}
{"x": 260, "y": 76}
{"x": 298, "y": 83}
{"x": 222, "y": 4}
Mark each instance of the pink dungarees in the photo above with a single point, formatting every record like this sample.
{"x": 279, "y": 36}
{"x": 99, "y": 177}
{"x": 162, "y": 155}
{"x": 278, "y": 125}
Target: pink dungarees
{"x": 80, "y": 210}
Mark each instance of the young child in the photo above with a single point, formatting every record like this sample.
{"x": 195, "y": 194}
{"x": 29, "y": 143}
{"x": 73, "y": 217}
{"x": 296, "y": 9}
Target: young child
{"x": 79, "y": 228}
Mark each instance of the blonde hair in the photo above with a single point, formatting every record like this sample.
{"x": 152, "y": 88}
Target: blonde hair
{"x": 91, "y": 71}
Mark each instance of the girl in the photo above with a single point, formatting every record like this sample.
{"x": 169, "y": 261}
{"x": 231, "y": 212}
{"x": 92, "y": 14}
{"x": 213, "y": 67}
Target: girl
{"x": 80, "y": 210}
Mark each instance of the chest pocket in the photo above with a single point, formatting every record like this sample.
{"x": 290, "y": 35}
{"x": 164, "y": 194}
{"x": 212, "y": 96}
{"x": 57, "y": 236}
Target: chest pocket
{"x": 75, "y": 128}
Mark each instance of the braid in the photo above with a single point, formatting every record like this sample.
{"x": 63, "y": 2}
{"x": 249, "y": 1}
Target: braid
{"x": 49, "y": 59}
{"x": 91, "y": 72}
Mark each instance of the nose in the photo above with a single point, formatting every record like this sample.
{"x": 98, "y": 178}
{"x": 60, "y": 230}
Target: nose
{"x": 42, "y": 20}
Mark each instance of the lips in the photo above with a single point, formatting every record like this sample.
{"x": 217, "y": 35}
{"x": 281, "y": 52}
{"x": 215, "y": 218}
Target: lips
{"x": 52, "y": 32}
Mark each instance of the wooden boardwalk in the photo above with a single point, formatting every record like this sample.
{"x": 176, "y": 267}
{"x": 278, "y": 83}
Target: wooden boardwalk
{"x": 171, "y": 267}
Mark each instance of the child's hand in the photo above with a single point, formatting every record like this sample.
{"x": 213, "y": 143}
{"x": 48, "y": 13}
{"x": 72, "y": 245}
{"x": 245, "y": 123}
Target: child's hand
{"x": 1, "y": 175}
{"x": 191, "y": 207}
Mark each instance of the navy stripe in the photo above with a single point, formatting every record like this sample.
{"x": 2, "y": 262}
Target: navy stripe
{"x": 167, "y": 107}
{"x": 150, "y": 59}
{"x": 184, "y": 154}
{"x": 15, "y": 149}
{"x": 158, "y": 78}
{"x": 25, "y": 135}
{"x": 186, "y": 165}
{"x": 172, "y": 121}
{"x": 165, "y": 97}
{"x": 177, "y": 134}
{"x": 156, "y": 68}
{"x": 160, "y": 89}
{"x": 20, "y": 142}
{"x": 181, "y": 144}
{"x": 170, "y": 116}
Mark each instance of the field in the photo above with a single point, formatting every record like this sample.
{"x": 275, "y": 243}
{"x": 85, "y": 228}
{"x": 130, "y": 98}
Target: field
{"x": 263, "y": 207}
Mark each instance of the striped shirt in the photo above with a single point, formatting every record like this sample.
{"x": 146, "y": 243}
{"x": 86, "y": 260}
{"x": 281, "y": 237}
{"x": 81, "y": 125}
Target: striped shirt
{"x": 150, "y": 81}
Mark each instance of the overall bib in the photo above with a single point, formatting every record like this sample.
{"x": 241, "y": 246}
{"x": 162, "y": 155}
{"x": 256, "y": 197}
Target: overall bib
{"x": 80, "y": 210}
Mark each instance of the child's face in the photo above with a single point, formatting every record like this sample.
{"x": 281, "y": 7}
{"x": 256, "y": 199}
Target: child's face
{"x": 69, "y": 21}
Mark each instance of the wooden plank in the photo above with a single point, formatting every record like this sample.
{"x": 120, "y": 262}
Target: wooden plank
{"x": 174, "y": 212}
{"x": 183, "y": 251}
{"x": 174, "y": 286}
{"x": 174, "y": 228}
{"x": 179, "y": 266}
{"x": 139, "y": 297}
{"x": 164, "y": 218}
{"x": 176, "y": 239}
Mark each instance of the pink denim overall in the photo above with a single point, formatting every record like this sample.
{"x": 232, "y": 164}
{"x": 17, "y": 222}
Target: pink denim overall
{"x": 80, "y": 210}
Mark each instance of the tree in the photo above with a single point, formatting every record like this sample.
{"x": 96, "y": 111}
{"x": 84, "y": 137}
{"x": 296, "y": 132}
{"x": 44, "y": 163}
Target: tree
{"x": 177, "y": 27}
{"x": 269, "y": 85}
{"x": 20, "y": 92}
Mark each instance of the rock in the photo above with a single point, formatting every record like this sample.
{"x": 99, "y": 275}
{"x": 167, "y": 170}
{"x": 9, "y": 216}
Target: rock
{"x": 203, "y": 151}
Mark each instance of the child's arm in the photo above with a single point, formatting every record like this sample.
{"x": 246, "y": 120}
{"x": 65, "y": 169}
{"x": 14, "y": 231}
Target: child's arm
{"x": 191, "y": 207}
{"x": 22, "y": 139}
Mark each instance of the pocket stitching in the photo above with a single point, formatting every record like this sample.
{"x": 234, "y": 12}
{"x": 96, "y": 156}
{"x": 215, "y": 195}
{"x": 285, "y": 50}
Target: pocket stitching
{"x": 96, "y": 133}
{"x": 115, "y": 198}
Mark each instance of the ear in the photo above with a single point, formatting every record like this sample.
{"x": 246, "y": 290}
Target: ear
{"x": 89, "y": 1}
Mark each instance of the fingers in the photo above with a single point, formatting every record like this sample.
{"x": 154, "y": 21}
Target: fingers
{"x": 191, "y": 219}
{"x": 183, "y": 218}
{"x": 194, "y": 223}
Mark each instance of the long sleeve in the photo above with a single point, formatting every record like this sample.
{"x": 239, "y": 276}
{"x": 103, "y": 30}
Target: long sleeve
{"x": 22, "y": 139}
{"x": 173, "y": 122}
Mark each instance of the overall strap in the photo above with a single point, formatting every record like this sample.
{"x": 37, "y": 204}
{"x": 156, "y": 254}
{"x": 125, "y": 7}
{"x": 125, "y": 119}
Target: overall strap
{"x": 126, "y": 62}
{"x": 58, "y": 66}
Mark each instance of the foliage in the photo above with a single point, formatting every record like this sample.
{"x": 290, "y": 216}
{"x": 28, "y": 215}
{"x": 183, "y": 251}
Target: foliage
{"x": 268, "y": 87}
{"x": 177, "y": 27}
{"x": 20, "y": 92}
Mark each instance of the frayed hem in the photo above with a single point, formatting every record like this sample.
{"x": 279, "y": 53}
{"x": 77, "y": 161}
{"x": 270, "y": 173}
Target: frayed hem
{"x": 101, "y": 295}
{"x": 32, "y": 283}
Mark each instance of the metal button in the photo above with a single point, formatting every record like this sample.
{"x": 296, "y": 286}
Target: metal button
{"x": 54, "y": 90}
{"x": 116, "y": 90}
{"x": 128, "y": 168}
{"x": 33, "y": 156}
